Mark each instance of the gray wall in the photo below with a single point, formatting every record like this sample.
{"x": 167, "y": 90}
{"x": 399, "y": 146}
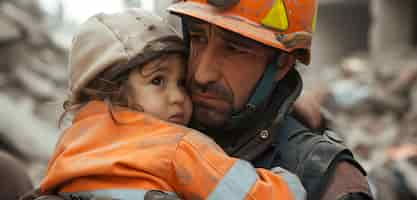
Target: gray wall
{"x": 394, "y": 29}
{"x": 342, "y": 30}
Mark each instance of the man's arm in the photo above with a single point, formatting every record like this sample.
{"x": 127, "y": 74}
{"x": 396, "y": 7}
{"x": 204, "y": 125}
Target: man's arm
{"x": 346, "y": 181}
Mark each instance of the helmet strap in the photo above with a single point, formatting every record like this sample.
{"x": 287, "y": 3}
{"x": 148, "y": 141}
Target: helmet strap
{"x": 185, "y": 35}
{"x": 262, "y": 91}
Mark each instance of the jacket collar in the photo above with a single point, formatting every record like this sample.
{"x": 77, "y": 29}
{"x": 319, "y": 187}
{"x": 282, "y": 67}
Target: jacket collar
{"x": 95, "y": 107}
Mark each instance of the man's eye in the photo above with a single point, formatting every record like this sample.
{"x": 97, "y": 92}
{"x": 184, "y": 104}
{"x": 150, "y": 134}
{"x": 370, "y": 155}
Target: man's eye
{"x": 158, "y": 81}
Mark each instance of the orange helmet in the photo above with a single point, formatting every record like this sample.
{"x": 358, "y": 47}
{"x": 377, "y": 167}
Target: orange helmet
{"x": 283, "y": 24}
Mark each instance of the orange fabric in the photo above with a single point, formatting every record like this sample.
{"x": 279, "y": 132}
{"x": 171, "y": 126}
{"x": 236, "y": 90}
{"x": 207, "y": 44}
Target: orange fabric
{"x": 141, "y": 152}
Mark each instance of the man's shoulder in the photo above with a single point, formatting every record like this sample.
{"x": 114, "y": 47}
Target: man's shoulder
{"x": 305, "y": 150}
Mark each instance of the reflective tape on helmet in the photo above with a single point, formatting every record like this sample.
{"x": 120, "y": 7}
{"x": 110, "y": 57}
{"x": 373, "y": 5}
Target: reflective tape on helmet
{"x": 314, "y": 21}
{"x": 236, "y": 183}
{"x": 119, "y": 194}
{"x": 293, "y": 182}
{"x": 276, "y": 17}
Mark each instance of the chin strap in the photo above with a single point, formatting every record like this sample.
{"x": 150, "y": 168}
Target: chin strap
{"x": 262, "y": 91}
{"x": 185, "y": 35}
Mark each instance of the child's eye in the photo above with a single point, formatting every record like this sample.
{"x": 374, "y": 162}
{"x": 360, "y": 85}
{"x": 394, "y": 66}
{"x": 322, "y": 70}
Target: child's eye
{"x": 158, "y": 81}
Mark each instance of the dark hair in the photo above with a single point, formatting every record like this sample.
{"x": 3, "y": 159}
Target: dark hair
{"x": 100, "y": 89}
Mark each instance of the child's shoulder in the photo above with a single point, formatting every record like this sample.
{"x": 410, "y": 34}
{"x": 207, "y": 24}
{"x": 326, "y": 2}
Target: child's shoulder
{"x": 199, "y": 141}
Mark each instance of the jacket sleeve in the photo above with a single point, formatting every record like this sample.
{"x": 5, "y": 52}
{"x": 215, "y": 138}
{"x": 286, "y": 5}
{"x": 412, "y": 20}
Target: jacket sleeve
{"x": 203, "y": 171}
{"x": 347, "y": 183}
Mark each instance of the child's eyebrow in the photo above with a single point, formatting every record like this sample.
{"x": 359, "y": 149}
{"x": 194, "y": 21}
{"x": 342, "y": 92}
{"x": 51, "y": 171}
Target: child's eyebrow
{"x": 160, "y": 66}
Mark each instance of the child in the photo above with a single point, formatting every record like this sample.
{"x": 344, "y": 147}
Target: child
{"x": 127, "y": 75}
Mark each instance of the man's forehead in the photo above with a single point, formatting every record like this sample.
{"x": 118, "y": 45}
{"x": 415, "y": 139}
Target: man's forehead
{"x": 197, "y": 24}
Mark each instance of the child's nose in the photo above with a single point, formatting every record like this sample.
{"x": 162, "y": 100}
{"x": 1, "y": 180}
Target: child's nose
{"x": 177, "y": 96}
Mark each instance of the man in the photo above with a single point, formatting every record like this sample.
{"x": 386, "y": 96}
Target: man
{"x": 243, "y": 84}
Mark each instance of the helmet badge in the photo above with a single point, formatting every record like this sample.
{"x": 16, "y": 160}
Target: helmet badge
{"x": 223, "y": 4}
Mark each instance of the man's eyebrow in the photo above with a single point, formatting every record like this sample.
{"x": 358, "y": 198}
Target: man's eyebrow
{"x": 238, "y": 39}
{"x": 195, "y": 20}
{"x": 195, "y": 28}
{"x": 195, "y": 24}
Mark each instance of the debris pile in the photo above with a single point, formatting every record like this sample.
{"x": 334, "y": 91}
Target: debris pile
{"x": 32, "y": 78}
{"x": 374, "y": 108}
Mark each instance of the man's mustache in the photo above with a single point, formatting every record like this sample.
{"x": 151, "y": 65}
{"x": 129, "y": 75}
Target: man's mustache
{"x": 215, "y": 90}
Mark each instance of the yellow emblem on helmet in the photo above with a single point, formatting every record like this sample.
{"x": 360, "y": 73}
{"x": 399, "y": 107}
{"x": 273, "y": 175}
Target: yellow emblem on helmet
{"x": 277, "y": 17}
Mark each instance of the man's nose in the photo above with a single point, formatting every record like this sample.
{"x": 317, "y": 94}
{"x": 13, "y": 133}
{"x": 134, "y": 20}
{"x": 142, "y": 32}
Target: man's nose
{"x": 207, "y": 69}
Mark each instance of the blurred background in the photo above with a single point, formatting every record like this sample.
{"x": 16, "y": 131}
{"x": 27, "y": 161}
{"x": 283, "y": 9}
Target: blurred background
{"x": 364, "y": 73}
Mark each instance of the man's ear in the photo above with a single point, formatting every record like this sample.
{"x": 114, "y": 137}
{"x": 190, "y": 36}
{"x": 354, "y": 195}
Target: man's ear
{"x": 285, "y": 63}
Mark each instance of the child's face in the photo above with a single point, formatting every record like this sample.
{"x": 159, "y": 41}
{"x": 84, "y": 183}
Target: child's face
{"x": 159, "y": 89}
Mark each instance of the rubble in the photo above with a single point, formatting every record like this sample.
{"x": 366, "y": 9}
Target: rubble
{"x": 32, "y": 74}
{"x": 374, "y": 108}
{"x": 368, "y": 109}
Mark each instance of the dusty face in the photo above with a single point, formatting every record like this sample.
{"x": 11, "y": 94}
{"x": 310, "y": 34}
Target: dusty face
{"x": 159, "y": 89}
{"x": 224, "y": 68}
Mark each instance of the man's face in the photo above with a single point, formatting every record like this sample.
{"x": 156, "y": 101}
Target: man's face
{"x": 224, "y": 68}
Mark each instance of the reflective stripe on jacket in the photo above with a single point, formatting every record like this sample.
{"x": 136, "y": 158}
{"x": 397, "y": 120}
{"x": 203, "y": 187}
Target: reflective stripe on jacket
{"x": 124, "y": 159}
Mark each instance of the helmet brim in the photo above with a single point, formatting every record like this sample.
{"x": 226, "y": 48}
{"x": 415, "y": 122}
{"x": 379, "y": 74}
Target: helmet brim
{"x": 238, "y": 25}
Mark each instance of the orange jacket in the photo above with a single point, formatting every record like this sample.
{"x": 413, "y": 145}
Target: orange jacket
{"x": 141, "y": 153}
